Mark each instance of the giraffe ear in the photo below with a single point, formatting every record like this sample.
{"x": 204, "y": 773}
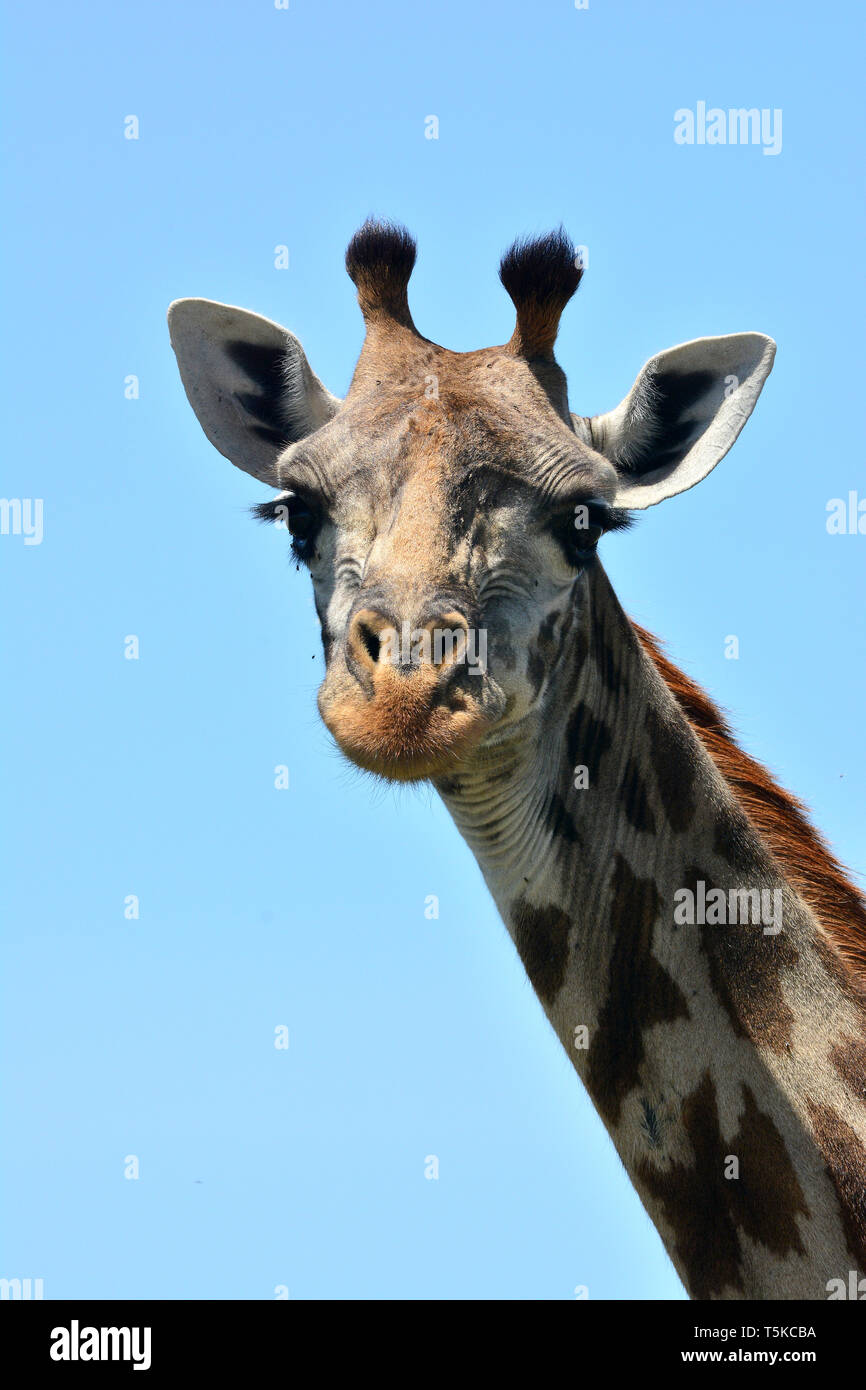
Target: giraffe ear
{"x": 682, "y": 415}
{"x": 248, "y": 381}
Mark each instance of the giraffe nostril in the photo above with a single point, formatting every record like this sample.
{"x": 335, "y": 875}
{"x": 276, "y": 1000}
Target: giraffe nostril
{"x": 438, "y": 646}
{"x": 370, "y": 641}
{"x": 448, "y": 636}
{"x": 370, "y": 634}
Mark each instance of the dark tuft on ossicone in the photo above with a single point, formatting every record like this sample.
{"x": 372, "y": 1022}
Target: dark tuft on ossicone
{"x": 379, "y": 259}
{"x": 540, "y": 275}
{"x": 545, "y": 268}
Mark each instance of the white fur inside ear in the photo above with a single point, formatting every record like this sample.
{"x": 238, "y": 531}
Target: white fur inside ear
{"x": 730, "y": 372}
{"x": 248, "y": 381}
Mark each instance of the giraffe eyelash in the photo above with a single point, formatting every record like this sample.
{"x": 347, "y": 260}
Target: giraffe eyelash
{"x": 590, "y": 517}
{"x": 601, "y": 514}
{"x": 568, "y": 528}
{"x": 300, "y": 517}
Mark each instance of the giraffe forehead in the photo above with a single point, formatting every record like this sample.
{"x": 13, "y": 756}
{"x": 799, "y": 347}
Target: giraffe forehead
{"x": 404, "y": 365}
{"x": 469, "y": 449}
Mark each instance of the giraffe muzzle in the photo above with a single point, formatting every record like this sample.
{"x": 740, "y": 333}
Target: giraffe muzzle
{"x": 419, "y": 698}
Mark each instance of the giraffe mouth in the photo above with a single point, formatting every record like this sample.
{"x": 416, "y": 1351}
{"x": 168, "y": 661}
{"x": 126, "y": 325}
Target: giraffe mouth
{"x": 409, "y": 729}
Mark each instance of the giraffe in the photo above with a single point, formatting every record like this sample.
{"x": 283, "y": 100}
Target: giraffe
{"x": 698, "y": 950}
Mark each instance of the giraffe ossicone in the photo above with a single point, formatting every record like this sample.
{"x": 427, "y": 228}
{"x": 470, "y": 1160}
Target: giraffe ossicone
{"x": 598, "y": 787}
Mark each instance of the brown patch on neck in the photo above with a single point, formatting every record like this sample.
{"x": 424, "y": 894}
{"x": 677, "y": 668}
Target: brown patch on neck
{"x": 845, "y": 1158}
{"x": 746, "y": 972}
{"x": 640, "y": 993}
{"x": 708, "y": 1211}
{"x": 849, "y": 1059}
{"x": 541, "y": 937}
{"x": 780, "y": 819}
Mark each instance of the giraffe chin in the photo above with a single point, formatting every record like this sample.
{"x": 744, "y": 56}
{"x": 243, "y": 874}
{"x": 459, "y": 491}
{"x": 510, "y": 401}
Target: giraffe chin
{"x": 399, "y": 736}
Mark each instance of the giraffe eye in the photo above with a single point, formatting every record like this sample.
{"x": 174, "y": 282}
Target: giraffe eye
{"x": 585, "y": 541}
{"x": 302, "y": 520}
{"x": 578, "y": 542}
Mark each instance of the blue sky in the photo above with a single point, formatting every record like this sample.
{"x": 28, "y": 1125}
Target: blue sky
{"x": 304, "y": 907}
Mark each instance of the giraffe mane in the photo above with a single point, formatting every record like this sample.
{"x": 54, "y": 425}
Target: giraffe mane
{"x": 781, "y": 819}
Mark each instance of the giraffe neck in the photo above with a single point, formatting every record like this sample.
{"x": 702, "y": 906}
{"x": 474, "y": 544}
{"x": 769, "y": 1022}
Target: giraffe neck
{"x": 721, "y": 1056}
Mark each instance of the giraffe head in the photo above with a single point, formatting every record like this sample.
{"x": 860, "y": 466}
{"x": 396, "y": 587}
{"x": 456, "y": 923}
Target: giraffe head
{"x": 449, "y": 509}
